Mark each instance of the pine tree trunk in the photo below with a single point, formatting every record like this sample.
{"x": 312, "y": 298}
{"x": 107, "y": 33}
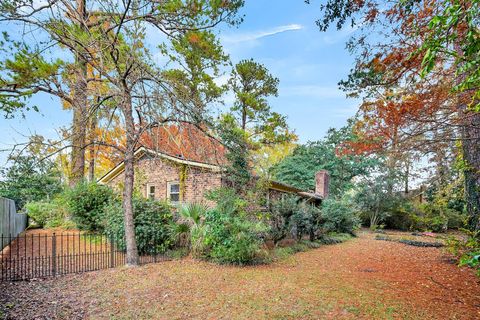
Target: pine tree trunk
{"x": 91, "y": 160}
{"x": 132, "y": 252}
{"x": 79, "y": 111}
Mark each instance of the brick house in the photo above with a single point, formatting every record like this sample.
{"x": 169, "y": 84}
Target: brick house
{"x": 189, "y": 164}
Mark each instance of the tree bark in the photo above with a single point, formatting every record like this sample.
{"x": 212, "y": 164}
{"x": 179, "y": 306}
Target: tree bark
{"x": 79, "y": 110}
{"x": 91, "y": 160}
{"x": 470, "y": 135}
{"x": 132, "y": 252}
{"x": 471, "y": 158}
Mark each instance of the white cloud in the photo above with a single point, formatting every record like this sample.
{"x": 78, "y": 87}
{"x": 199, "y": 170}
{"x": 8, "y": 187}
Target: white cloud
{"x": 252, "y": 36}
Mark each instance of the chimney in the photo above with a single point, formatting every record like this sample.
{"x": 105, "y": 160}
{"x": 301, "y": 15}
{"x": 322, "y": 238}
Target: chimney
{"x": 321, "y": 183}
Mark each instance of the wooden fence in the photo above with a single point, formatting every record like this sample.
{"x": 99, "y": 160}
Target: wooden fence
{"x": 11, "y": 222}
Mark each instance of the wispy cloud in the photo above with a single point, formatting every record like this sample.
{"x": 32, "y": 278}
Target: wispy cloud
{"x": 252, "y": 36}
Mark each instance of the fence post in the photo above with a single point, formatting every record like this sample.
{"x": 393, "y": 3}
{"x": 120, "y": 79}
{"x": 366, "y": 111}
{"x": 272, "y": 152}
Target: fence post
{"x": 112, "y": 253}
{"x": 54, "y": 254}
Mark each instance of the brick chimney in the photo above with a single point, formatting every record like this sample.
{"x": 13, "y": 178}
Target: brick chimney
{"x": 321, "y": 183}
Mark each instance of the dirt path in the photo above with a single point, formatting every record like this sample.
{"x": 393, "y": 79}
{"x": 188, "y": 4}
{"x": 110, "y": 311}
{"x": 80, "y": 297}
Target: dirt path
{"x": 361, "y": 279}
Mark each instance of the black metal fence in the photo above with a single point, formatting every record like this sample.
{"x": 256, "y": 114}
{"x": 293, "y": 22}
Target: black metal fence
{"x": 41, "y": 255}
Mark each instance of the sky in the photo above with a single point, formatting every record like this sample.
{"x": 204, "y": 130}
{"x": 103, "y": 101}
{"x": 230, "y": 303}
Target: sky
{"x": 282, "y": 35}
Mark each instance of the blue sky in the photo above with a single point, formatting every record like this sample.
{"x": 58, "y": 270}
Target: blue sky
{"x": 280, "y": 34}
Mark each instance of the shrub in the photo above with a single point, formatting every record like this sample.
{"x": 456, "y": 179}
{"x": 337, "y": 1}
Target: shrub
{"x": 231, "y": 238}
{"x": 227, "y": 234}
{"x": 279, "y": 217}
{"x": 48, "y": 214}
{"x": 437, "y": 216}
{"x": 305, "y": 221}
{"x": 338, "y": 216}
{"x": 467, "y": 249}
{"x": 152, "y": 221}
{"x": 86, "y": 202}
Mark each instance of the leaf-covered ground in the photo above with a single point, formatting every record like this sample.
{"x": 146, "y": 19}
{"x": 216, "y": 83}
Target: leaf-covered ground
{"x": 360, "y": 279}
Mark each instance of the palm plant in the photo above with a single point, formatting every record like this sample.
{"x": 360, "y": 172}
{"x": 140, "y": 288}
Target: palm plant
{"x": 193, "y": 212}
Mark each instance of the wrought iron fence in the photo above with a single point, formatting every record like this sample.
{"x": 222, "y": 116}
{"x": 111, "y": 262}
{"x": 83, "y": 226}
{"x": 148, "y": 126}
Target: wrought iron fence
{"x": 43, "y": 255}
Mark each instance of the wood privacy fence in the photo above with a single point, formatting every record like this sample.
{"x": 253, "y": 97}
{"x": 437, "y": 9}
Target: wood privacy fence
{"x": 11, "y": 222}
{"x": 41, "y": 254}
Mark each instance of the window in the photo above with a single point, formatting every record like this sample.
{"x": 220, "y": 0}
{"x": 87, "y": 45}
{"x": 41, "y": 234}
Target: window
{"x": 173, "y": 191}
{"x": 150, "y": 191}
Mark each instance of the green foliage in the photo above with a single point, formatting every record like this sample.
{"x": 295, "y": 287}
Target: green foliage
{"x": 253, "y": 85}
{"x": 86, "y": 202}
{"x": 193, "y": 212}
{"x": 152, "y": 221}
{"x": 339, "y": 216}
{"x": 437, "y": 217}
{"x": 279, "y": 217}
{"x": 446, "y": 39}
{"x": 227, "y": 234}
{"x": 291, "y": 217}
{"x": 299, "y": 168}
{"x": 467, "y": 249}
{"x": 29, "y": 179}
{"x": 48, "y": 214}
{"x": 375, "y": 198}
{"x": 234, "y": 139}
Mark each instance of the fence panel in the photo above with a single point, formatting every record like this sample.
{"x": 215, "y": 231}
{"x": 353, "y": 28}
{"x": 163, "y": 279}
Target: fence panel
{"x": 11, "y": 222}
{"x": 43, "y": 254}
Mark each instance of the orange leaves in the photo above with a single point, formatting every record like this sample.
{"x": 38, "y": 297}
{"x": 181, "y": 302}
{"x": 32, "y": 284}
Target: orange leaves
{"x": 193, "y": 38}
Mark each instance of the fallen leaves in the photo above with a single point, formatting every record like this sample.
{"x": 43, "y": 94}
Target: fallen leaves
{"x": 359, "y": 279}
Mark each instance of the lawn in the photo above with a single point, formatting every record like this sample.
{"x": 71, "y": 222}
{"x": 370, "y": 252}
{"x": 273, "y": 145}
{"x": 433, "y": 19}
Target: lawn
{"x": 363, "y": 278}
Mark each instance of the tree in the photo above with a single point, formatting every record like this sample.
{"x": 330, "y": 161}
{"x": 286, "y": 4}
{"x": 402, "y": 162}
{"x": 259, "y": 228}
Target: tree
{"x": 144, "y": 95}
{"x": 29, "y": 178}
{"x": 374, "y": 197}
{"x": 29, "y": 69}
{"x": 253, "y": 85}
{"x": 396, "y": 45}
{"x": 299, "y": 168}
{"x": 267, "y": 157}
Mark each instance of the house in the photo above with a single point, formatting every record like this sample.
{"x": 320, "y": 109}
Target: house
{"x": 180, "y": 164}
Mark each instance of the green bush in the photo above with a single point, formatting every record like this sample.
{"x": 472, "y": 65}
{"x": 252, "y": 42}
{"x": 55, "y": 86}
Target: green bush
{"x": 305, "y": 221}
{"x": 48, "y": 214}
{"x": 437, "y": 217}
{"x": 279, "y": 217}
{"x": 338, "y": 216}
{"x": 227, "y": 234}
{"x": 466, "y": 248}
{"x": 152, "y": 221}
{"x": 86, "y": 202}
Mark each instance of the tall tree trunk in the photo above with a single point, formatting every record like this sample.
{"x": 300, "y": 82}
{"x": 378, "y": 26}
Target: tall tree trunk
{"x": 471, "y": 157}
{"x": 79, "y": 110}
{"x": 132, "y": 252}
{"x": 407, "y": 177}
{"x": 244, "y": 118}
{"x": 470, "y": 134}
{"x": 91, "y": 160}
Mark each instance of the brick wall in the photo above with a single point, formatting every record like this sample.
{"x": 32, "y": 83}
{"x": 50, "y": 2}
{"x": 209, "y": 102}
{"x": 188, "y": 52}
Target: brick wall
{"x": 158, "y": 172}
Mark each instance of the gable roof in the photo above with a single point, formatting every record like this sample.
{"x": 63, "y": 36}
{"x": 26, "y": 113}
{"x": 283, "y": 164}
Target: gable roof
{"x": 142, "y": 151}
{"x": 184, "y": 141}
